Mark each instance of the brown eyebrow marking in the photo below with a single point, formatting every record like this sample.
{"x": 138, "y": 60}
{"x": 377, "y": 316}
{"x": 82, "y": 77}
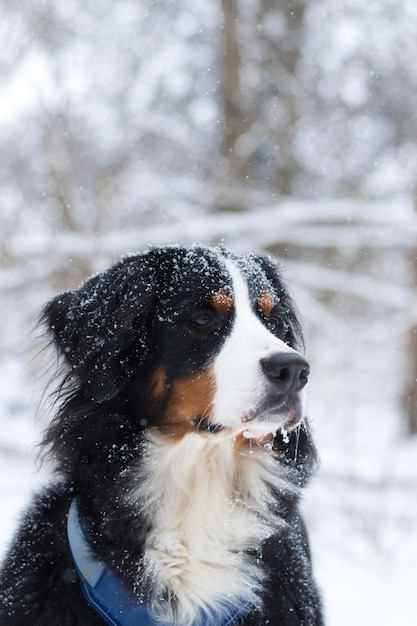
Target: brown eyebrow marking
{"x": 222, "y": 300}
{"x": 266, "y": 303}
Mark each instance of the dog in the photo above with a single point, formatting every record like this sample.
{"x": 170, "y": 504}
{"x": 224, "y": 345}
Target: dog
{"x": 180, "y": 447}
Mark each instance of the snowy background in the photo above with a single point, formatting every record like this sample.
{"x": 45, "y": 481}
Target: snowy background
{"x": 286, "y": 128}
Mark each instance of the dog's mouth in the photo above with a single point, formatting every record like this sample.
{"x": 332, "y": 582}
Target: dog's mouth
{"x": 267, "y": 416}
{"x": 286, "y": 415}
{"x": 202, "y": 424}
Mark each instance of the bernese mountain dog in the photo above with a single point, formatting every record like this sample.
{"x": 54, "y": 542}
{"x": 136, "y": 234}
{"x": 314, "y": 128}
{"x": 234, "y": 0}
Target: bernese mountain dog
{"x": 180, "y": 447}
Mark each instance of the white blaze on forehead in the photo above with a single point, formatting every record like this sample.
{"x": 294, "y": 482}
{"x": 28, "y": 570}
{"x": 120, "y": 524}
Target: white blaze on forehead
{"x": 240, "y": 382}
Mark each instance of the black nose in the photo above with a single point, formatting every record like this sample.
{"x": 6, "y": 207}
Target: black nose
{"x": 287, "y": 370}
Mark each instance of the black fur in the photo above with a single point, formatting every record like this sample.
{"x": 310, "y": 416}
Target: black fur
{"x": 113, "y": 333}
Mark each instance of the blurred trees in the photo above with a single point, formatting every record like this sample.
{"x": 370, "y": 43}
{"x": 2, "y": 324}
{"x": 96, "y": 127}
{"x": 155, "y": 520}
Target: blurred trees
{"x": 114, "y": 112}
{"x": 358, "y": 134}
{"x": 108, "y": 107}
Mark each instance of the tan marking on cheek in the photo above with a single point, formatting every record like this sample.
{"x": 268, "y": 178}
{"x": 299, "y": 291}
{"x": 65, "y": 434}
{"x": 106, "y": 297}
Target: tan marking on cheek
{"x": 158, "y": 383}
{"x": 266, "y": 303}
{"x": 190, "y": 398}
{"x": 222, "y": 300}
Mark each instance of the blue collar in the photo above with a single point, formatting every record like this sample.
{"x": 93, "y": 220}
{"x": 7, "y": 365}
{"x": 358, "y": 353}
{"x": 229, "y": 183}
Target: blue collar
{"x": 107, "y": 594}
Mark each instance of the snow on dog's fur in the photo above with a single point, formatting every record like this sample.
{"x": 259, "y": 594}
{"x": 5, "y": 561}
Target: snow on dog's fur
{"x": 180, "y": 433}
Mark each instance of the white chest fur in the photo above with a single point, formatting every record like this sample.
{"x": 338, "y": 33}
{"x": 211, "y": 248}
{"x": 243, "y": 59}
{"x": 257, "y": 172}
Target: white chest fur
{"x": 206, "y": 504}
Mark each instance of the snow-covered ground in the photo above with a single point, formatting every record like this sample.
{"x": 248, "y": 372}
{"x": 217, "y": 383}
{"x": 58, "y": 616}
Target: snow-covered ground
{"x": 362, "y": 515}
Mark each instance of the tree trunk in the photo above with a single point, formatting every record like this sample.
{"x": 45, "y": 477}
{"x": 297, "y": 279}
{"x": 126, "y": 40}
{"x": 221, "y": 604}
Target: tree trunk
{"x": 411, "y": 389}
{"x": 411, "y": 395}
{"x": 259, "y": 88}
{"x": 411, "y": 372}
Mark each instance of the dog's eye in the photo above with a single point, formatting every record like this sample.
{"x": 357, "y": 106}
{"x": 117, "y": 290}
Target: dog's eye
{"x": 278, "y": 327}
{"x": 273, "y": 325}
{"x": 201, "y": 319}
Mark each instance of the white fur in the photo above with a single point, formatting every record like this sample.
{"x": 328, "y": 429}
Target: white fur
{"x": 240, "y": 382}
{"x": 206, "y": 503}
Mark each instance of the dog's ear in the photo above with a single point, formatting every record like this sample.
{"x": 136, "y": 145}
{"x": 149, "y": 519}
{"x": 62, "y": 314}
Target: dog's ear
{"x": 100, "y": 329}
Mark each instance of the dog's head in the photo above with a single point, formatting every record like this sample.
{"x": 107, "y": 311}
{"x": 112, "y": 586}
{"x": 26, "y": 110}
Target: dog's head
{"x": 186, "y": 339}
